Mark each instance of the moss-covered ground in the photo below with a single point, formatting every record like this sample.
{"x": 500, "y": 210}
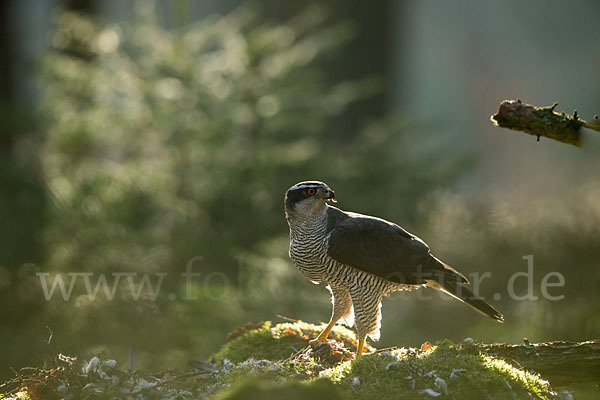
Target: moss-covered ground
{"x": 269, "y": 361}
{"x": 445, "y": 370}
{"x": 267, "y": 342}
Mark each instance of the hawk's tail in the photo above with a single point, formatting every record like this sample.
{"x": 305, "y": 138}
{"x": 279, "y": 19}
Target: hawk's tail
{"x": 461, "y": 292}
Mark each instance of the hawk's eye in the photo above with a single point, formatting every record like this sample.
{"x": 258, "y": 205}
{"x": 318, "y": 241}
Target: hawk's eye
{"x": 311, "y": 191}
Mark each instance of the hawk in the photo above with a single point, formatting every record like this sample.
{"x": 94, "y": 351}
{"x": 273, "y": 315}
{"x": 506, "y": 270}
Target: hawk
{"x": 363, "y": 258}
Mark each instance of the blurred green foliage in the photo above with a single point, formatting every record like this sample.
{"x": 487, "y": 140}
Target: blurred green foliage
{"x": 164, "y": 145}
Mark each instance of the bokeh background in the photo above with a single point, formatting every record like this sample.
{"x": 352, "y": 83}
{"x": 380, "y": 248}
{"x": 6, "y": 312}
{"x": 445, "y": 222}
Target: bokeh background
{"x": 137, "y": 136}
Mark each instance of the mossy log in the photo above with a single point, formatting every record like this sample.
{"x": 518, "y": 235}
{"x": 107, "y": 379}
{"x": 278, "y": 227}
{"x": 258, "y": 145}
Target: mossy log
{"x": 542, "y": 121}
{"x": 562, "y": 363}
{"x": 267, "y": 361}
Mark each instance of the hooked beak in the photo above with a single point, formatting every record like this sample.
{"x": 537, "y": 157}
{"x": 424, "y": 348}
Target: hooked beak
{"x": 331, "y": 196}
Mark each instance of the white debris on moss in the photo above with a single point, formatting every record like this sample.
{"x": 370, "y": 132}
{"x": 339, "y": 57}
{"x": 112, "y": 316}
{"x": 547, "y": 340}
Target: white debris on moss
{"x": 432, "y": 392}
{"x": 455, "y": 372}
{"x": 227, "y": 365}
{"x": 390, "y": 365}
{"x": 91, "y": 366}
{"x": 441, "y": 385}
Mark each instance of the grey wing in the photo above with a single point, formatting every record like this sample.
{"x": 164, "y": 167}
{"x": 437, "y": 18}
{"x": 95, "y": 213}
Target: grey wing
{"x": 385, "y": 249}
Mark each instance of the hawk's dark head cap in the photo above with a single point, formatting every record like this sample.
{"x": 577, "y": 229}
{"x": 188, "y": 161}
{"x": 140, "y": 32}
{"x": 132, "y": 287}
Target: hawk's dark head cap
{"x": 309, "y": 194}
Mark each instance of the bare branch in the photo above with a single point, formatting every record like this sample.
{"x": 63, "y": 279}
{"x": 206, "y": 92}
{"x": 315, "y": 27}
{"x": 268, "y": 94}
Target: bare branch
{"x": 542, "y": 121}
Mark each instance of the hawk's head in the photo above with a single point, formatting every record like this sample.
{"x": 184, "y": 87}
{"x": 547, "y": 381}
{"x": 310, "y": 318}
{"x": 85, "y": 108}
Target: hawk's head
{"x": 307, "y": 197}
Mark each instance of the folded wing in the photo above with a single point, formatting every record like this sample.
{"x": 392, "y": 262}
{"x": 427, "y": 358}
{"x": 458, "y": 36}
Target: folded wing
{"x": 385, "y": 249}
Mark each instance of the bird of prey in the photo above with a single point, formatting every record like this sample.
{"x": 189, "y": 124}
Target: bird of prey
{"x": 363, "y": 258}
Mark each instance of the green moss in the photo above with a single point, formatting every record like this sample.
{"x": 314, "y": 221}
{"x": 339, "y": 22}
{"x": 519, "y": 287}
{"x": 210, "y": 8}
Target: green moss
{"x": 274, "y": 372}
{"x": 263, "y": 390}
{"x": 260, "y": 344}
{"x": 278, "y": 342}
{"x": 539, "y": 121}
{"x": 409, "y": 375}
{"x": 259, "y": 366}
{"x": 400, "y": 374}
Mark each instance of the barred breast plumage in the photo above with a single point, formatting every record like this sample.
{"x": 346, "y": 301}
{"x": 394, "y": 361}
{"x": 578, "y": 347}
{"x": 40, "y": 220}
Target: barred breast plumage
{"x": 308, "y": 250}
{"x": 361, "y": 259}
{"x": 348, "y": 285}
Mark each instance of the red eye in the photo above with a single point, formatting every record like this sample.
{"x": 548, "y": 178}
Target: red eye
{"x": 311, "y": 191}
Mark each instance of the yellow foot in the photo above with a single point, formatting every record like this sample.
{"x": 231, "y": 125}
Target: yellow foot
{"x": 318, "y": 340}
{"x": 322, "y": 338}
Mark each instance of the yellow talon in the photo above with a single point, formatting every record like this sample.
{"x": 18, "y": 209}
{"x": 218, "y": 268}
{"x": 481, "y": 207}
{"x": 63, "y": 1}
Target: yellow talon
{"x": 322, "y": 338}
{"x": 317, "y": 340}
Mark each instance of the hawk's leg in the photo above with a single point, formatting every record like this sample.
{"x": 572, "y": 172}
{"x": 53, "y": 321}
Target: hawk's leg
{"x": 360, "y": 346}
{"x": 342, "y": 308}
{"x": 367, "y": 313}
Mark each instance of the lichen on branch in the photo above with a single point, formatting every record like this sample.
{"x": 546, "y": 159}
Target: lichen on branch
{"x": 542, "y": 121}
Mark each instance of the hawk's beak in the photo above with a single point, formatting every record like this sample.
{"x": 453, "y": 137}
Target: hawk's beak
{"x": 331, "y": 196}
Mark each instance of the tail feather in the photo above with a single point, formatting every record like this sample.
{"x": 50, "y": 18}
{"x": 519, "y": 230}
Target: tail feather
{"x": 463, "y": 293}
